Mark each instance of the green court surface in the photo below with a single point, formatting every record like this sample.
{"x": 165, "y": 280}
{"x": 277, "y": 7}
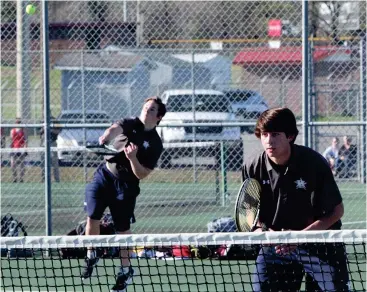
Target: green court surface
{"x": 151, "y": 275}
{"x": 162, "y": 207}
{"x": 165, "y": 205}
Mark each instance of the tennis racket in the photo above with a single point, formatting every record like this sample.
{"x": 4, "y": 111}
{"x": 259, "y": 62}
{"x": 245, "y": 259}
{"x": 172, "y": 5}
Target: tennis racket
{"x": 103, "y": 149}
{"x": 247, "y": 207}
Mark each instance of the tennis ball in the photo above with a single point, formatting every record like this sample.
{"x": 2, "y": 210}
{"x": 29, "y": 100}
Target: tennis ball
{"x": 30, "y": 9}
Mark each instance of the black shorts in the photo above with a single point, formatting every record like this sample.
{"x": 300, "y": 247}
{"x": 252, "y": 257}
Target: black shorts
{"x": 107, "y": 191}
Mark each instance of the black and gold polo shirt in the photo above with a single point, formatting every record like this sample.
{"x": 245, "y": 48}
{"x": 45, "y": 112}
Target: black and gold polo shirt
{"x": 297, "y": 194}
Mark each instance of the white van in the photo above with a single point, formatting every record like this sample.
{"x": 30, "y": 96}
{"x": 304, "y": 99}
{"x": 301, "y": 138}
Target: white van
{"x": 198, "y": 106}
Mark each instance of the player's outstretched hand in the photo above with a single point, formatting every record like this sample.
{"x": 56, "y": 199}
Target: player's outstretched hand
{"x": 285, "y": 249}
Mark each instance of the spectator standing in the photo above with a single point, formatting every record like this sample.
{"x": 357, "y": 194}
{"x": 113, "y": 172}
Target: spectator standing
{"x": 331, "y": 154}
{"x": 347, "y": 157}
{"x": 17, "y": 158}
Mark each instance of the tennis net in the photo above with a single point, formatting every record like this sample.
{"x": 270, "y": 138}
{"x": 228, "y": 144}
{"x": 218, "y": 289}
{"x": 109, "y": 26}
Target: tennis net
{"x": 180, "y": 262}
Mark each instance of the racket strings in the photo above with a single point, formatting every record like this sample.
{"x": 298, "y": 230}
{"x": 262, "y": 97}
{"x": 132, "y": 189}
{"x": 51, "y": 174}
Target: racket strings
{"x": 248, "y": 205}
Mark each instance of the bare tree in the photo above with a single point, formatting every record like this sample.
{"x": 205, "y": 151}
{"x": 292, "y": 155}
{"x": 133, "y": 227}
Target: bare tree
{"x": 326, "y": 18}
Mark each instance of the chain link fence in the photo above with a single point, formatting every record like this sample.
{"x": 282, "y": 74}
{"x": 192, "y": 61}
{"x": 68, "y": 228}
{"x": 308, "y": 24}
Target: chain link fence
{"x": 216, "y": 64}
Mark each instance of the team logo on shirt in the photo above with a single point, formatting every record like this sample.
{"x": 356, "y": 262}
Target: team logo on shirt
{"x": 146, "y": 144}
{"x": 266, "y": 182}
{"x": 300, "y": 184}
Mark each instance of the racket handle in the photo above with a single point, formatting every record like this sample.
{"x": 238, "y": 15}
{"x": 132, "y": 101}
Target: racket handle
{"x": 263, "y": 227}
{"x": 254, "y": 228}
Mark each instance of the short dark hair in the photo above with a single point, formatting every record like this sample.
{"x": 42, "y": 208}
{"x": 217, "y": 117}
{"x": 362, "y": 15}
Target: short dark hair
{"x": 277, "y": 120}
{"x": 348, "y": 138}
{"x": 161, "y": 106}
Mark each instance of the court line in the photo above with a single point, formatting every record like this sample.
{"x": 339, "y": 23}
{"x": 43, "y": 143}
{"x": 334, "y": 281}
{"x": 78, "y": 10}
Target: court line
{"x": 75, "y": 208}
{"x": 42, "y": 211}
{"x": 355, "y": 222}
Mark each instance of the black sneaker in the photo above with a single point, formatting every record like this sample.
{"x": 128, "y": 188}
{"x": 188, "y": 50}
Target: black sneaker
{"x": 123, "y": 280}
{"x": 88, "y": 268}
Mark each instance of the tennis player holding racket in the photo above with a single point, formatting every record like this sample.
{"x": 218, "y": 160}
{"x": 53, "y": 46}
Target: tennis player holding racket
{"x": 298, "y": 192}
{"x": 116, "y": 182}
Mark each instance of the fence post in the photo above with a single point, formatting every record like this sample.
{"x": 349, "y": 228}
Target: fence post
{"x": 363, "y": 128}
{"x": 46, "y": 92}
{"x": 223, "y": 167}
{"x": 193, "y": 102}
{"x": 24, "y": 59}
{"x": 217, "y": 163}
{"x": 84, "y": 111}
{"x": 312, "y": 97}
{"x": 305, "y": 72}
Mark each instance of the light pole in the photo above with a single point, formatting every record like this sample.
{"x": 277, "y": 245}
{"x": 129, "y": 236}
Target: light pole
{"x": 23, "y": 61}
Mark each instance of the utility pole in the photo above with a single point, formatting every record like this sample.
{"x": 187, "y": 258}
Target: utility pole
{"x": 23, "y": 62}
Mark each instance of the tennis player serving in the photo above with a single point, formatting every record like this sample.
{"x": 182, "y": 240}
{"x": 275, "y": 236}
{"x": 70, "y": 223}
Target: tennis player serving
{"x": 116, "y": 182}
{"x": 298, "y": 192}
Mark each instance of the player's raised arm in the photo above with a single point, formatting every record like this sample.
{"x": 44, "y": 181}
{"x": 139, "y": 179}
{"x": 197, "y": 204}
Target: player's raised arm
{"x": 110, "y": 133}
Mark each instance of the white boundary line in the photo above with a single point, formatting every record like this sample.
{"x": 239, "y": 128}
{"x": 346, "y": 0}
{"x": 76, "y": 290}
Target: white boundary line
{"x": 354, "y": 222}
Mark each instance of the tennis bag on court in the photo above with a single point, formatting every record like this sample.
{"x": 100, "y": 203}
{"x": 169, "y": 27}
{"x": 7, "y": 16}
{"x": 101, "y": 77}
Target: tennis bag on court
{"x": 234, "y": 251}
{"x": 11, "y": 227}
{"x": 225, "y": 224}
{"x": 107, "y": 227}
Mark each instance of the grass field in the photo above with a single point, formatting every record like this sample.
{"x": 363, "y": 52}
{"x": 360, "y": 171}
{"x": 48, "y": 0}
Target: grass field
{"x": 9, "y": 91}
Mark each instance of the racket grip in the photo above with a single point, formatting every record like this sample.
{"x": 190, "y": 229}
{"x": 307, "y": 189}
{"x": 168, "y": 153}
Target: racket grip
{"x": 254, "y": 228}
{"x": 262, "y": 226}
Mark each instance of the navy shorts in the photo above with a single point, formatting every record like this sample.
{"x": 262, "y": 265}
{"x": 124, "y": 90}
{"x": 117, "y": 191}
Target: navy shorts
{"x": 324, "y": 263}
{"x": 107, "y": 191}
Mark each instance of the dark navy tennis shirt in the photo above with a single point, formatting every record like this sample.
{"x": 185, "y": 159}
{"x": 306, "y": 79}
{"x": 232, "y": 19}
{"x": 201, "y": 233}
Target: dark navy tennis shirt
{"x": 149, "y": 149}
{"x": 295, "y": 195}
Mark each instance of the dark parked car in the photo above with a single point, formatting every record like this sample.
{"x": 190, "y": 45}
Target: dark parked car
{"x": 247, "y": 105}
